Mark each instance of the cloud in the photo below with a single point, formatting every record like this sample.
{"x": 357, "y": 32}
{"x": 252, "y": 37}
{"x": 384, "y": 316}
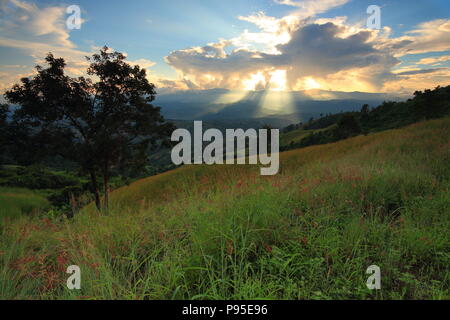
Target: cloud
{"x": 419, "y": 71}
{"x": 313, "y": 50}
{"x": 26, "y": 21}
{"x": 320, "y": 50}
{"x": 433, "y": 60}
{"x": 9, "y": 78}
{"x": 310, "y": 8}
{"x": 408, "y": 82}
{"x": 273, "y": 32}
{"x": 325, "y": 53}
{"x": 143, "y": 63}
{"x": 431, "y": 36}
{"x": 37, "y": 31}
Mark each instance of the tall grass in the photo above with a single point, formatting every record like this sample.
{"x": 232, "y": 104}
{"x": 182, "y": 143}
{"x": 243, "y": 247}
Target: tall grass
{"x": 17, "y": 201}
{"x": 225, "y": 232}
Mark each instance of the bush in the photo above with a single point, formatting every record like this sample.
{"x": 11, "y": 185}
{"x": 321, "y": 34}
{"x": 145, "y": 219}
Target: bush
{"x": 36, "y": 177}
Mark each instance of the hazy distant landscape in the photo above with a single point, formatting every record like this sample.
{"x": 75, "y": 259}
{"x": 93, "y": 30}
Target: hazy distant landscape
{"x": 292, "y": 107}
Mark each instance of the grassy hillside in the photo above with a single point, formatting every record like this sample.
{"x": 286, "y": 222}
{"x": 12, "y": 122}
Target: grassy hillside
{"x": 294, "y": 135}
{"x": 426, "y": 105}
{"x": 17, "y": 201}
{"x": 210, "y": 232}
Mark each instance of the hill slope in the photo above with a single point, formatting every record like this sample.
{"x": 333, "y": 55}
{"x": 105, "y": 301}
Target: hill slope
{"x": 18, "y": 201}
{"x": 310, "y": 232}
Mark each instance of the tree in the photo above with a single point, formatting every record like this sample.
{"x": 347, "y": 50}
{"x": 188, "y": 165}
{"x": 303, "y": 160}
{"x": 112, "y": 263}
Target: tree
{"x": 347, "y": 126}
{"x": 3, "y": 127}
{"x": 365, "y": 109}
{"x": 364, "y": 117}
{"x": 3, "y": 113}
{"x": 101, "y": 122}
{"x": 431, "y": 104}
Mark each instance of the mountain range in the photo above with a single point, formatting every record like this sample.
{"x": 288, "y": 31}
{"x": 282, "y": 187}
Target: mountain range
{"x": 250, "y": 108}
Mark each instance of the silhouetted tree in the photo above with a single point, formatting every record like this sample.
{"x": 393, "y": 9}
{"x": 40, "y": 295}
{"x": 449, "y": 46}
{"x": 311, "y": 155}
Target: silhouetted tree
{"x": 365, "y": 109}
{"x": 289, "y": 128}
{"x": 431, "y": 103}
{"x": 101, "y": 122}
{"x": 364, "y": 117}
{"x": 3, "y": 127}
{"x": 347, "y": 126}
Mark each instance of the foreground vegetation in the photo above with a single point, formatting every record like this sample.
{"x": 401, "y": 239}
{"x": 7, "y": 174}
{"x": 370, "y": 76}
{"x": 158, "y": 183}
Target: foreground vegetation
{"x": 225, "y": 232}
{"x": 29, "y": 189}
{"x": 16, "y": 202}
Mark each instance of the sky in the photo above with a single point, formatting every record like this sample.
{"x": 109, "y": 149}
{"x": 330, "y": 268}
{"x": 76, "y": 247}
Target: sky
{"x": 279, "y": 45}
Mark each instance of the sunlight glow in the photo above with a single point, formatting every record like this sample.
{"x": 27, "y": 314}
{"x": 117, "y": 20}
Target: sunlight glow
{"x": 310, "y": 83}
{"x": 272, "y": 80}
{"x": 278, "y": 80}
{"x": 231, "y": 97}
{"x": 256, "y": 81}
{"x": 277, "y": 102}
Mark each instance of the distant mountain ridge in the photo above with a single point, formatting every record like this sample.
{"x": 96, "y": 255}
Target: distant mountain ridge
{"x": 280, "y": 108}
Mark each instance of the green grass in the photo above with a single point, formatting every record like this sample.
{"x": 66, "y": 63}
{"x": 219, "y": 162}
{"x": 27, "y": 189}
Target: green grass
{"x": 297, "y": 135}
{"x": 294, "y": 135}
{"x": 15, "y": 202}
{"x": 225, "y": 232}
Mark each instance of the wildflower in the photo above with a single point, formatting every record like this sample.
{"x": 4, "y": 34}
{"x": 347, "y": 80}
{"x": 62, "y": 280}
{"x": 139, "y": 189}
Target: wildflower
{"x": 267, "y": 247}
{"x": 62, "y": 260}
{"x": 304, "y": 240}
{"x": 94, "y": 265}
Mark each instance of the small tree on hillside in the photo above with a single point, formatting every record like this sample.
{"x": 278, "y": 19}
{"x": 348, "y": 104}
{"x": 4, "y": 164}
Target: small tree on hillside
{"x": 3, "y": 127}
{"x": 101, "y": 122}
{"x": 347, "y": 126}
{"x": 365, "y": 110}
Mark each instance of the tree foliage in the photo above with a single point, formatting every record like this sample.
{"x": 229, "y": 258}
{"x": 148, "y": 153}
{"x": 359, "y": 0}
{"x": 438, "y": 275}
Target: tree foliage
{"x": 102, "y": 121}
{"x": 347, "y": 126}
{"x": 3, "y": 127}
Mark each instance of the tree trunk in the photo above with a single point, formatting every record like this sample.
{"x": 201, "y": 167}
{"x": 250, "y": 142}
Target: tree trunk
{"x": 106, "y": 186}
{"x": 95, "y": 190}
